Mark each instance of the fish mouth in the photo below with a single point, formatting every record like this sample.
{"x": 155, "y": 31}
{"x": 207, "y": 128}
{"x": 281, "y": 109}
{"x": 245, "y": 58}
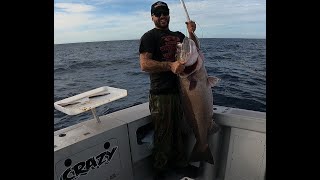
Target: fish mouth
{"x": 190, "y": 69}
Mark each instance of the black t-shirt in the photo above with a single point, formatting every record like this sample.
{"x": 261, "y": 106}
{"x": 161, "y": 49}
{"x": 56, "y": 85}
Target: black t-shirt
{"x": 162, "y": 45}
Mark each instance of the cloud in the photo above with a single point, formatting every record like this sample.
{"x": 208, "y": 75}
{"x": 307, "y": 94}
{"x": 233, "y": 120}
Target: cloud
{"x": 74, "y": 8}
{"x": 117, "y": 20}
{"x": 87, "y": 26}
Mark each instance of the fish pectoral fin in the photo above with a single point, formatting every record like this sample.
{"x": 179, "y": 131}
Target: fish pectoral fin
{"x": 212, "y": 81}
{"x": 193, "y": 82}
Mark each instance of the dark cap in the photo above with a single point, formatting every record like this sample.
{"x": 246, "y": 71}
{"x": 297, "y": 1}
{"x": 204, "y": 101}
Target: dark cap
{"x": 159, "y": 4}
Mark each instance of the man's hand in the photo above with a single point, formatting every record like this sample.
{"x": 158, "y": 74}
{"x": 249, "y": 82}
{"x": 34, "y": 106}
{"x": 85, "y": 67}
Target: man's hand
{"x": 191, "y": 26}
{"x": 177, "y": 67}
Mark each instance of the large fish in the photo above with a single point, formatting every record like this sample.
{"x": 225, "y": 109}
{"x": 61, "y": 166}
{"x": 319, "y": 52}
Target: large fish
{"x": 197, "y": 98}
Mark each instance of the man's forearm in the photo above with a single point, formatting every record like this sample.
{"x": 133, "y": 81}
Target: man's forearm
{"x": 152, "y": 66}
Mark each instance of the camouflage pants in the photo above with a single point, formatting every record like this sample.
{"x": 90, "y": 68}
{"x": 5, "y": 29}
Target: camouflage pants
{"x": 166, "y": 114}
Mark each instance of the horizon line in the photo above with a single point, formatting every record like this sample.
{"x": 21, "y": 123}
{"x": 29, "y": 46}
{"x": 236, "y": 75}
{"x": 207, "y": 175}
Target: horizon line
{"x": 139, "y": 39}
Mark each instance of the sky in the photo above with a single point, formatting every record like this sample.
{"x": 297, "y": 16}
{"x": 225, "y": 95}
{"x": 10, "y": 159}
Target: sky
{"x": 109, "y": 20}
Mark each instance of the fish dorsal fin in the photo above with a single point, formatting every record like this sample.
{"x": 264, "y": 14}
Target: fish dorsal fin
{"x": 212, "y": 81}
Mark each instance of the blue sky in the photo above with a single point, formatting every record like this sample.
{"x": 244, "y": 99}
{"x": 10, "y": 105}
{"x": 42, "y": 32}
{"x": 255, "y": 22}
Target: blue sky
{"x": 108, "y": 20}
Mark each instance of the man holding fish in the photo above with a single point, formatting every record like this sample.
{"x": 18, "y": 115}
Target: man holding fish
{"x": 158, "y": 57}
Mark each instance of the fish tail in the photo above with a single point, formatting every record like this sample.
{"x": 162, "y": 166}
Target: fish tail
{"x": 205, "y": 155}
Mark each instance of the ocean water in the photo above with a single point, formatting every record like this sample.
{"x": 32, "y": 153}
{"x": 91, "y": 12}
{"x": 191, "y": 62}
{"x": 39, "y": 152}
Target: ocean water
{"x": 80, "y": 67}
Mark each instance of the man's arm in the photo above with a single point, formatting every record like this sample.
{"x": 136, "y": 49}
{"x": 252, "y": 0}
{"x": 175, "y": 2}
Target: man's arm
{"x": 149, "y": 65}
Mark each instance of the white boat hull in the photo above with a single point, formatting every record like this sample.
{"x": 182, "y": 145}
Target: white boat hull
{"x": 112, "y": 149}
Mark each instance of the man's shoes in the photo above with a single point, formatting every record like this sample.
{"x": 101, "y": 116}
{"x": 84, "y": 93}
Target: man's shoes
{"x": 186, "y": 178}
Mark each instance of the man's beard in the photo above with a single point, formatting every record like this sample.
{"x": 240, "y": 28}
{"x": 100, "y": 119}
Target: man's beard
{"x": 164, "y": 25}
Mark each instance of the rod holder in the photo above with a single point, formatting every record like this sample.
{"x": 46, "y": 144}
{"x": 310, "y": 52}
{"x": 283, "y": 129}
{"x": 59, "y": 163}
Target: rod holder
{"x": 93, "y": 110}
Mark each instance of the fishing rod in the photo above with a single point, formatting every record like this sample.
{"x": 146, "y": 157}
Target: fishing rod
{"x": 185, "y": 10}
{"x": 188, "y": 18}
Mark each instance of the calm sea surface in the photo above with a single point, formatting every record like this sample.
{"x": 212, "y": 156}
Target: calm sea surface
{"x": 80, "y": 67}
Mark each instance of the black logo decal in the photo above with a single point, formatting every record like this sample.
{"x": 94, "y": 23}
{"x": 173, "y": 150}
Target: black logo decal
{"x": 83, "y": 167}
